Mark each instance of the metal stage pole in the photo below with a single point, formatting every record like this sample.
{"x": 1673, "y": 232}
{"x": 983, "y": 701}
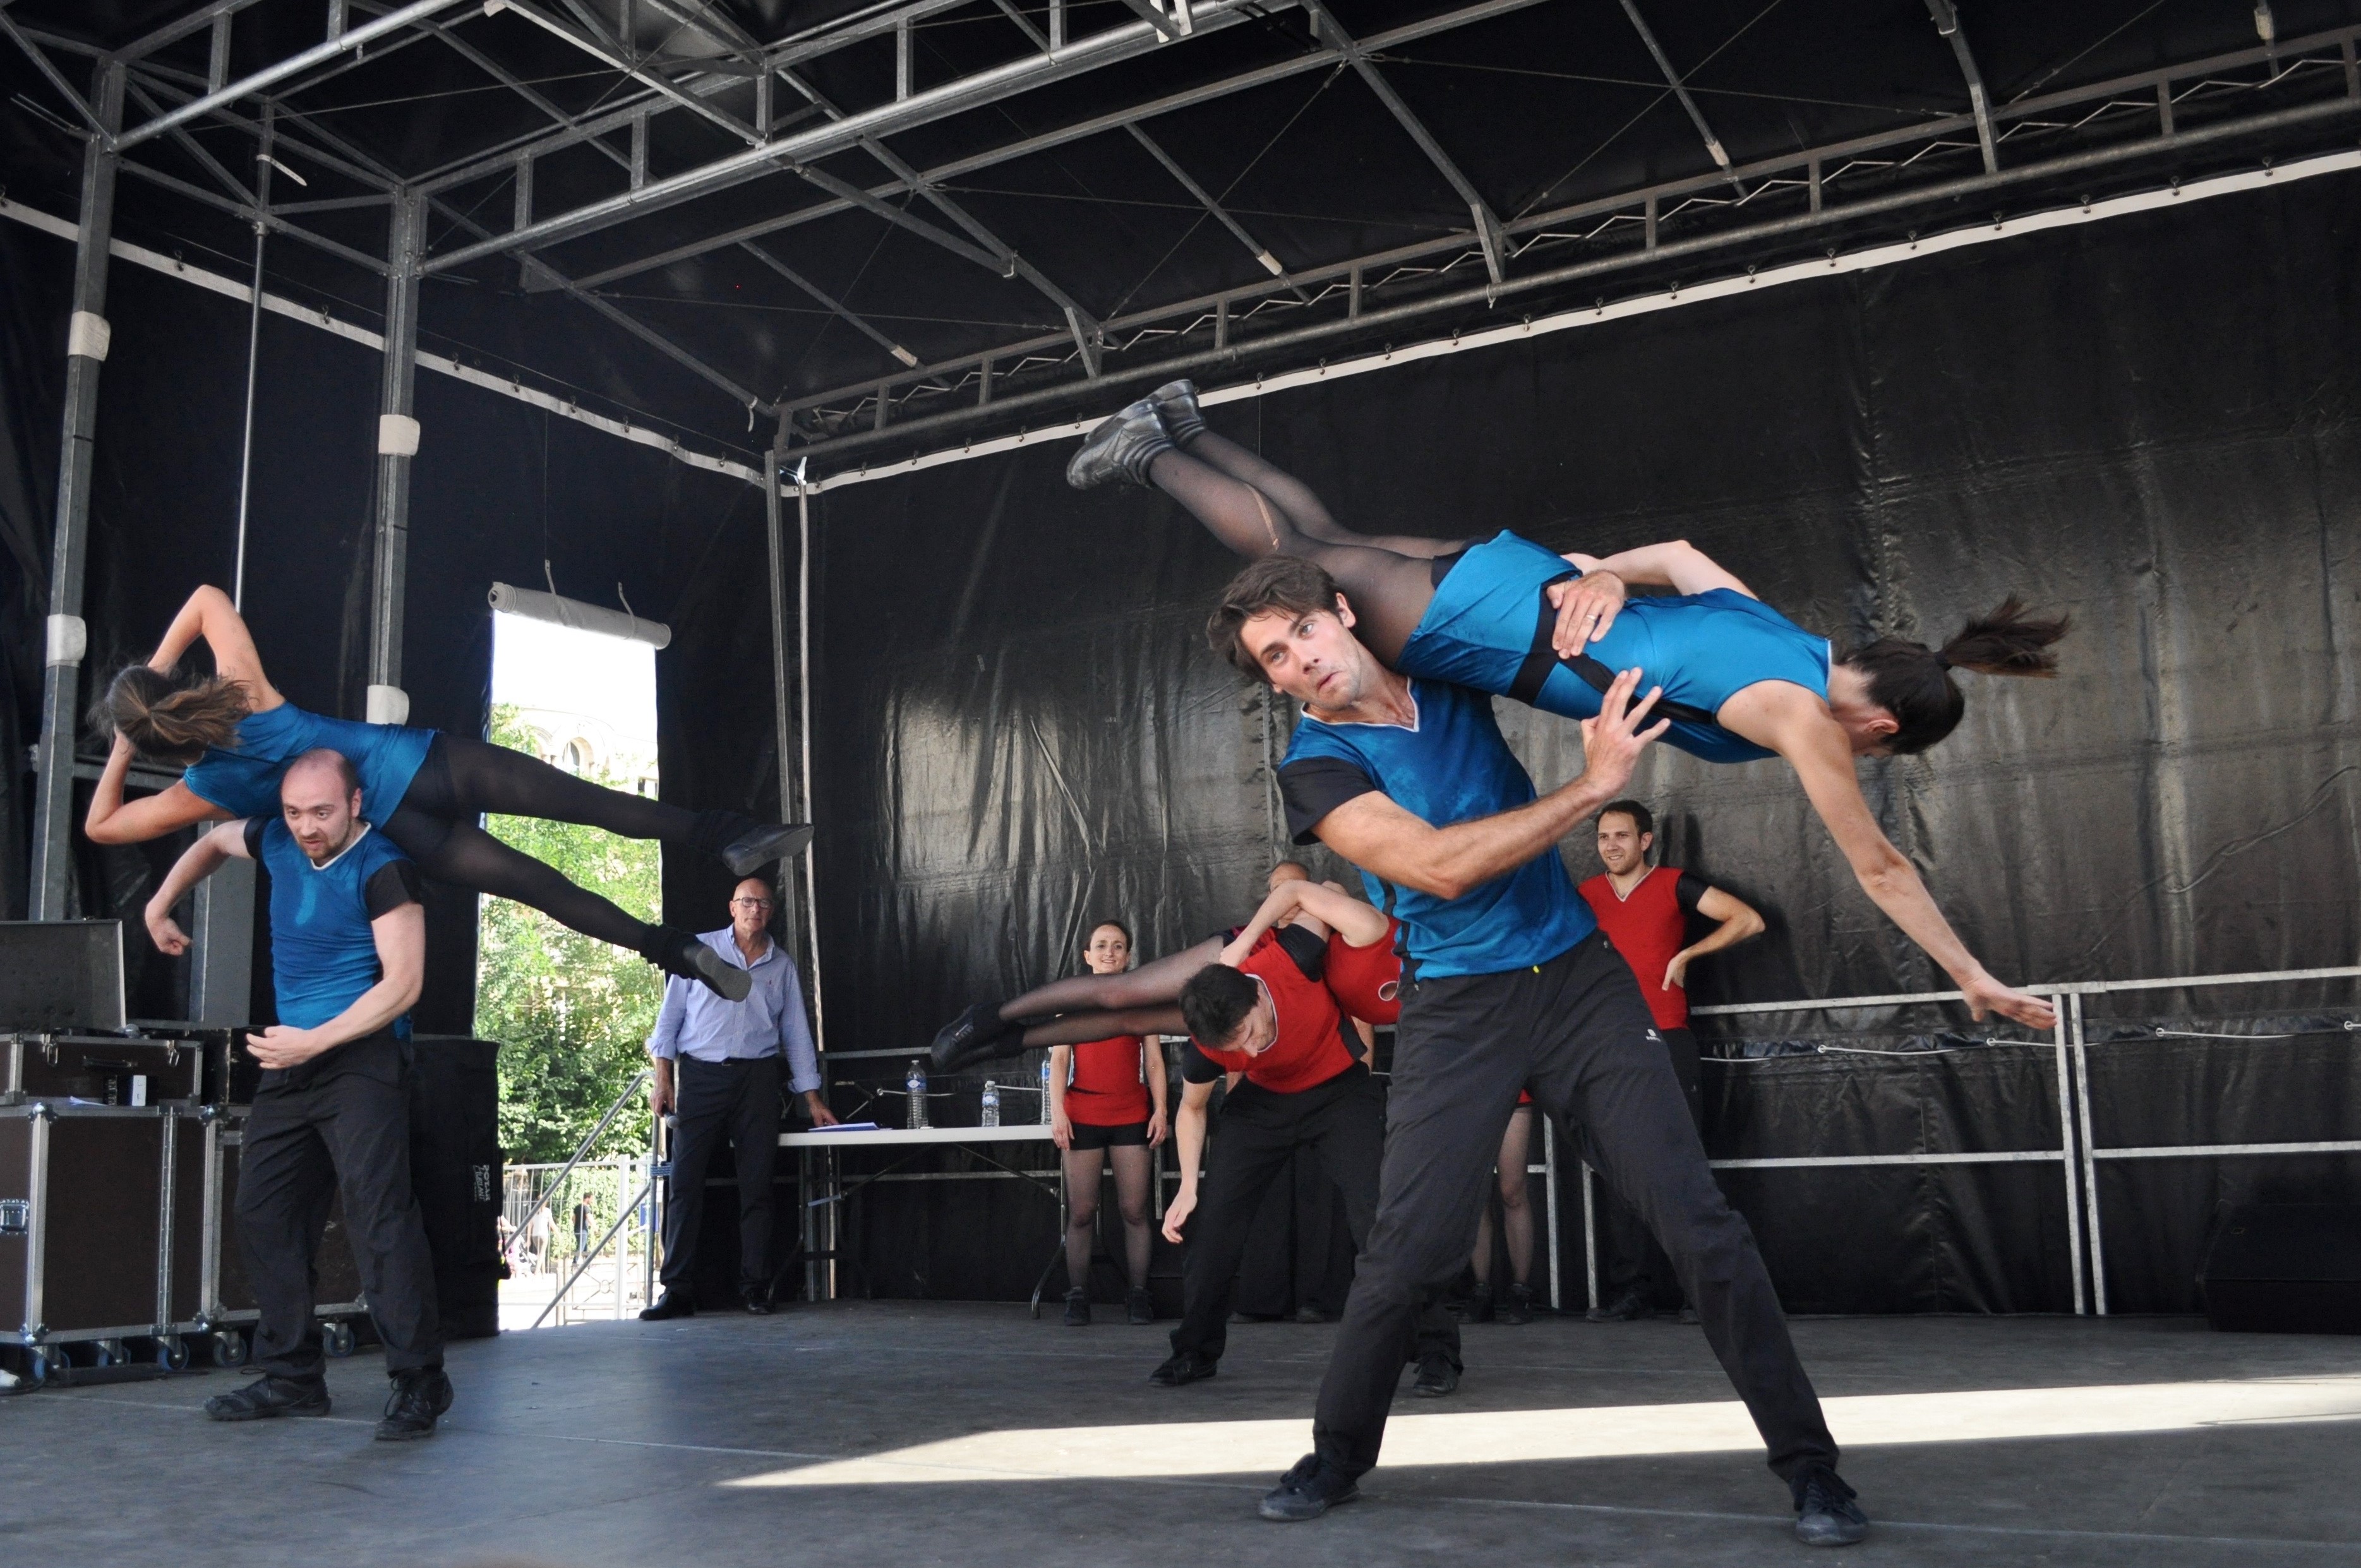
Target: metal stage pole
{"x": 86, "y": 343}
{"x": 803, "y": 677}
{"x": 397, "y": 444}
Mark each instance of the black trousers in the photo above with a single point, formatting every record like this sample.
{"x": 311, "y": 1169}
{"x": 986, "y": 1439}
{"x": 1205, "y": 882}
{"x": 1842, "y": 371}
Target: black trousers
{"x": 738, "y": 1101}
{"x": 338, "y": 1122}
{"x": 1576, "y": 1029}
{"x": 1342, "y": 1120}
{"x": 1628, "y": 1258}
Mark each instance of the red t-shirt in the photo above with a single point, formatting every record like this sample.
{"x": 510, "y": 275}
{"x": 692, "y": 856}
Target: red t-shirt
{"x": 1649, "y": 925}
{"x": 1367, "y": 980}
{"x": 1103, "y": 1083}
{"x": 1309, "y": 1049}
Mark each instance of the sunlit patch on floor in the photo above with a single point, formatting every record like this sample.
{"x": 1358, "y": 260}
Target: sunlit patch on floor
{"x": 1179, "y": 1450}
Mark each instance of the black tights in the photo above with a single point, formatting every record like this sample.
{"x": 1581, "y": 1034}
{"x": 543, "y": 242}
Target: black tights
{"x": 1154, "y": 984}
{"x": 435, "y": 825}
{"x": 1259, "y": 510}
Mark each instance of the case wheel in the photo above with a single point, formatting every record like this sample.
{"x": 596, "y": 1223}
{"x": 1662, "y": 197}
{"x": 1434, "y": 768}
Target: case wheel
{"x": 337, "y": 1338}
{"x": 106, "y": 1353}
{"x": 173, "y": 1353}
{"x": 229, "y": 1348}
{"x": 43, "y": 1363}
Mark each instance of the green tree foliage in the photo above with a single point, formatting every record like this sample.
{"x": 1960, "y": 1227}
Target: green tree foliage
{"x": 572, "y": 1014}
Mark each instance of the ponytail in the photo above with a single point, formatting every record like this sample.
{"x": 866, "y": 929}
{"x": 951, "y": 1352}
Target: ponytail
{"x": 166, "y": 720}
{"x": 1914, "y": 683}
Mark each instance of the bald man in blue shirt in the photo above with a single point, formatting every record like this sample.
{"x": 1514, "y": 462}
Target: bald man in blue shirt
{"x": 716, "y": 1067}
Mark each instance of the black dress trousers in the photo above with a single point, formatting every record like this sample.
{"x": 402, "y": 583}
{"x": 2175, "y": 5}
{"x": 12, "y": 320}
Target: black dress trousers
{"x": 737, "y": 1100}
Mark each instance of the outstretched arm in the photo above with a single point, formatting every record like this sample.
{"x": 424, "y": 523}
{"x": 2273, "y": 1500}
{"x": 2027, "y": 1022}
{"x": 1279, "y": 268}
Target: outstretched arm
{"x": 1379, "y": 836}
{"x": 112, "y": 821}
{"x": 1356, "y": 922}
{"x": 210, "y": 615}
{"x": 1816, "y": 747}
{"x": 198, "y": 862}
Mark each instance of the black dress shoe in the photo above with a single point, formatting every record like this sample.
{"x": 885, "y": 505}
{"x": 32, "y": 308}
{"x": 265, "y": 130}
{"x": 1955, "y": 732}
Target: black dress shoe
{"x": 1477, "y": 1307}
{"x": 1623, "y": 1307}
{"x": 1120, "y": 448}
{"x": 978, "y": 1034}
{"x": 1078, "y": 1307}
{"x": 1436, "y": 1377}
{"x": 671, "y": 1304}
{"x": 679, "y": 952}
{"x": 1177, "y": 402}
{"x": 1826, "y": 1514}
{"x": 420, "y": 1395}
{"x": 763, "y": 844}
{"x": 758, "y": 1303}
{"x": 267, "y": 1396}
{"x": 1307, "y": 1491}
{"x": 1182, "y": 1367}
{"x": 1138, "y": 1307}
{"x": 1516, "y": 1306}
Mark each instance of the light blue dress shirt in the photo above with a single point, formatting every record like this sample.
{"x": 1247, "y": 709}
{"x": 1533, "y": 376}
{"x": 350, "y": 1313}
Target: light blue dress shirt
{"x": 694, "y": 1021}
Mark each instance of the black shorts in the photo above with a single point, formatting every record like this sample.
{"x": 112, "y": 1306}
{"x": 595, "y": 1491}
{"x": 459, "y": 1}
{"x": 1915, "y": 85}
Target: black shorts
{"x": 1130, "y": 1135}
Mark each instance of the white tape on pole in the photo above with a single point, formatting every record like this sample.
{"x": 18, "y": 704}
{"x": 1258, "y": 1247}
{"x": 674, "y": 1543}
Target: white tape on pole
{"x": 536, "y": 605}
{"x": 397, "y": 435}
{"x": 88, "y": 336}
{"x": 69, "y": 639}
{"x": 387, "y": 704}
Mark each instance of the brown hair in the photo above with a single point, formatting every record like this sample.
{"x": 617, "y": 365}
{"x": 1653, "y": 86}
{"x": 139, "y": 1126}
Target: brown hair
{"x": 170, "y": 720}
{"x": 1912, "y": 682}
{"x": 1275, "y": 582}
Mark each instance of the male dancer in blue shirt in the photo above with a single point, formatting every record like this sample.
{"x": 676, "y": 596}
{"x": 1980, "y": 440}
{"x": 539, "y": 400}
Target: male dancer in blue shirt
{"x": 1506, "y": 981}
{"x": 347, "y": 960}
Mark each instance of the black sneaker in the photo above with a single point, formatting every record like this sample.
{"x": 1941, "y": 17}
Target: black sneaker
{"x": 1477, "y": 1307}
{"x": 1139, "y": 1306}
{"x": 267, "y": 1397}
{"x": 420, "y": 1395}
{"x": 1078, "y": 1307}
{"x": 1436, "y": 1377}
{"x": 758, "y": 1303}
{"x": 1622, "y": 1308}
{"x": 1516, "y": 1306}
{"x": 679, "y": 952}
{"x": 671, "y": 1304}
{"x": 763, "y": 844}
{"x": 1307, "y": 1491}
{"x": 976, "y": 1036}
{"x": 1182, "y": 1367}
{"x": 1826, "y": 1514}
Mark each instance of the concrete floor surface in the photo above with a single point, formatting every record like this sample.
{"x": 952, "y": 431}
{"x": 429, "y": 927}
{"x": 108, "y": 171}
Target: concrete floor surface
{"x": 899, "y": 1434}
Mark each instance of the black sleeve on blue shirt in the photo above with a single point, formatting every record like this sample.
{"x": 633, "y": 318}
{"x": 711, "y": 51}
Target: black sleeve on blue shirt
{"x": 1310, "y": 953}
{"x": 391, "y": 885}
{"x": 1196, "y": 1067}
{"x": 1314, "y": 786}
{"x": 254, "y": 826}
{"x": 1690, "y": 891}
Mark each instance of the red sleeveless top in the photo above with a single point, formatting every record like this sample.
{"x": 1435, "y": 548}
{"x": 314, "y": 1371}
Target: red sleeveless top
{"x": 1648, "y": 928}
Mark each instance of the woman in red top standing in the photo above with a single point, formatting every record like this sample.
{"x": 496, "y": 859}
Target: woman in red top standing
{"x": 1108, "y": 1095}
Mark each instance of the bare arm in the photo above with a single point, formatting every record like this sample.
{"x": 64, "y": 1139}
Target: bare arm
{"x": 1189, "y": 1137}
{"x": 198, "y": 862}
{"x": 1359, "y": 924}
{"x": 1377, "y": 835}
{"x": 1737, "y": 923}
{"x": 210, "y": 615}
{"x": 1792, "y": 722}
{"x": 401, "y": 937}
{"x": 1675, "y": 564}
{"x": 1062, "y": 1128}
{"x": 112, "y": 820}
{"x": 1160, "y": 1092}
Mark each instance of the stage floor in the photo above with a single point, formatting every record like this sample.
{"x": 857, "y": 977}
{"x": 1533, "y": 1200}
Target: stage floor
{"x": 899, "y": 1434}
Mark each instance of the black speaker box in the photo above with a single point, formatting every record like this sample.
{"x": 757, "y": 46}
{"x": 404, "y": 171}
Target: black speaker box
{"x": 2289, "y": 1268}
{"x": 456, "y": 1169}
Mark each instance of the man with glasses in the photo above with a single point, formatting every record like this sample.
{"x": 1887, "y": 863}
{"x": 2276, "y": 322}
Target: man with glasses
{"x": 716, "y": 1068}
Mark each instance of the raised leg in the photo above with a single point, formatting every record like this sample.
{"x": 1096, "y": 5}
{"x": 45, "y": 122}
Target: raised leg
{"x": 1152, "y": 984}
{"x": 1303, "y": 507}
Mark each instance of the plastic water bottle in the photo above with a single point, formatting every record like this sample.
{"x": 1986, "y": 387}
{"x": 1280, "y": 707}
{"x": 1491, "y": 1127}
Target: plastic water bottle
{"x": 916, "y": 1086}
{"x": 1046, "y": 1117}
{"x": 991, "y": 1103}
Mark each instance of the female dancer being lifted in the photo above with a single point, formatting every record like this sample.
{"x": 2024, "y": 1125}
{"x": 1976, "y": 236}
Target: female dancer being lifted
{"x": 1738, "y": 680}
{"x": 234, "y": 735}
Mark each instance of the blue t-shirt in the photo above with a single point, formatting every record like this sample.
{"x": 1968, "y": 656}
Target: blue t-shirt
{"x": 323, "y": 952}
{"x": 1450, "y": 766}
{"x": 1701, "y": 648}
{"x": 242, "y": 779}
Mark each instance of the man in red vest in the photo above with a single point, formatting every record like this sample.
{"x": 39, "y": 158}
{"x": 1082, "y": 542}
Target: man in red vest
{"x": 1644, "y": 911}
